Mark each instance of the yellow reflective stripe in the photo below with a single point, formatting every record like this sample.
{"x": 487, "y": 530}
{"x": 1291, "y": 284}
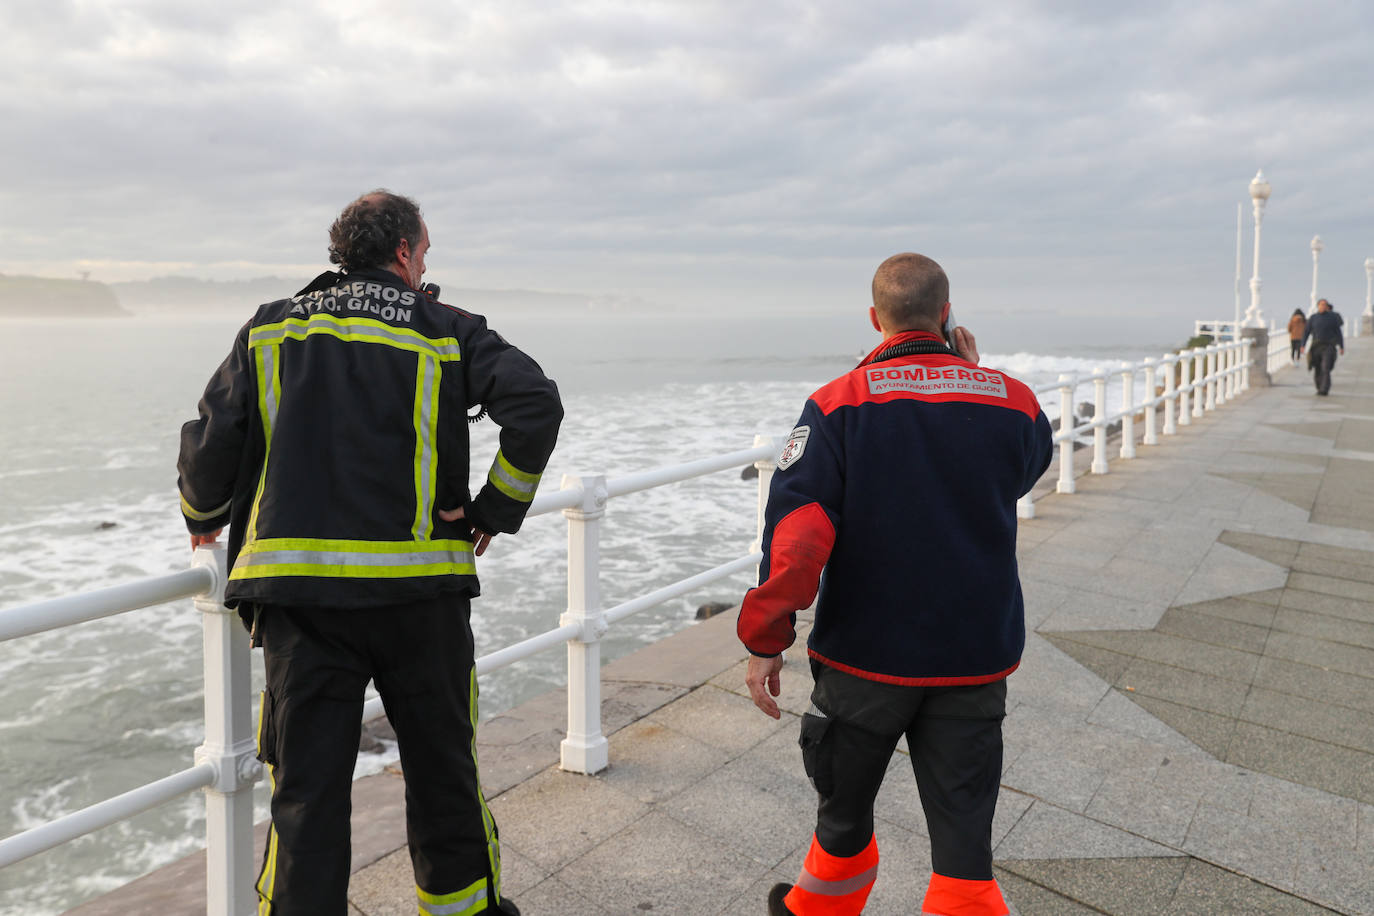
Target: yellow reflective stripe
{"x": 488, "y": 822}
{"x": 337, "y": 559}
{"x": 267, "y": 880}
{"x": 267, "y": 361}
{"x": 354, "y": 330}
{"x": 426, "y": 419}
{"x": 471, "y": 899}
{"x": 331, "y": 571}
{"x": 512, "y": 481}
{"x": 195, "y": 515}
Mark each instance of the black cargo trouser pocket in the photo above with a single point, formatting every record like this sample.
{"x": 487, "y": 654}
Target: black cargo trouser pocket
{"x": 817, "y": 753}
{"x": 267, "y": 730}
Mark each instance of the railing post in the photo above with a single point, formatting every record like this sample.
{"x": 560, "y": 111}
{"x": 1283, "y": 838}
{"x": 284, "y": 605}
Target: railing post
{"x": 585, "y": 749}
{"x": 1228, "y": 362}
{"x": 765, "y": 467}
{"x": 1099, "y": 465}
{"x": 1127, "y": 410}
{"x": 1199, "y": 379}
{"x": 1245, "y": 364}
{"x": 1210, "y": 354}
{"x": 230, "y": 747}
{"x": 1150, "y": 395}
{"x": 1185, "y": 364}
{"x": 1067, "y": 383}
{"x": 1168, "y": 364}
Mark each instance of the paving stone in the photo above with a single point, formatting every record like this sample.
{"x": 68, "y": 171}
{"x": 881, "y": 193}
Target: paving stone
{"x": 1026, "y": 898}
{"x": 556, "y": 816}
{"x": 1303, "y": 760}
{"x": 1049, "y": 832}
{"x": 1188, "y": 688}
{"x": 700, "y": 715}
{"x": 1225, "y": 571}
{"x": 1317, "y": 684}
{"x": 1244, "y": 610}
{"x": 1279, "y": 551}
{"x": 1208, "y": 780}
{"x": 1214, "y": 630}
{"x": 1320, "y": 653}
{"x": 386, "y": 888}
{"x": 1143, "y": 808}
{"x": 1105, "y": 663}
{"x": 660, "y": 864}
{"x": 552, "y": 895}
{"x": 1332, "y": 605}
{"x": 1340, "y": 555}
{"x": 1335, "y": 876}
{"x": 1209, "y": 731}
{"x": 650, "y": 762}
{"x": 1328, "y": 585}
{"x": 1047, "y": 775}
{"x": 753, "y": 810}
{"x": 1117, "y": 885}
{"x": 1206, "y": 890}
{"x": 1303, "y": 809}
{"x": 1246, "y": 844}
{"x": 1117, "y": 713}
{"x": 1336, "y": 725}
{"x": 1336, "y": 569}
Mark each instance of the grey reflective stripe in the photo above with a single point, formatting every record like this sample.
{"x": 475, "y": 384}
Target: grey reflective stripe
{"x": 462, "y": 906}
{"x": 424, "y": 495}
{"x": 191, "y": 511}
{"x": 520, "y": 486}
{"x": 362, "y": 333}
{"x": 349, "y": 558}
{"x": 816, "y": 711}
{"x": 269, "y": 372}
{"x": 811, "y": 884}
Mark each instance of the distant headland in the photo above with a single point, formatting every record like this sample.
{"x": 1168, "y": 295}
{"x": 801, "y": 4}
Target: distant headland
{"x": 48, "y": 297}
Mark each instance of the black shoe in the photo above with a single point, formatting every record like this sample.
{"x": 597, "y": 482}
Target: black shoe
{"x": 506, "y": 908}
{"x": 775, "y": 905}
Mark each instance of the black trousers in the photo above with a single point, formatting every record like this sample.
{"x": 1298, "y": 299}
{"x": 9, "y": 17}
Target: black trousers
{"x": 954, "y": 735}
{"x": 1295, "y": 346}
{"x": 420, "y": 656}
{"x": 1323, "y": 361}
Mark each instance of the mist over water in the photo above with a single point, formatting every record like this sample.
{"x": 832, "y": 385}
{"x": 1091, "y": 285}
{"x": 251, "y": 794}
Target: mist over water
{"x": 92, "y": 410}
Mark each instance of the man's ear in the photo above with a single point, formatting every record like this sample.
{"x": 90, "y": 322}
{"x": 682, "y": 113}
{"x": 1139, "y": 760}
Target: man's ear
{"x": 944, "y": 314}
{"x": 873, "y": 317}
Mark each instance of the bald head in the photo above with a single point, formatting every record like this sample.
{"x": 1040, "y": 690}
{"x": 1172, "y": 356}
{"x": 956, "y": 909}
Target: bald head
{"x": 909, "y": 293}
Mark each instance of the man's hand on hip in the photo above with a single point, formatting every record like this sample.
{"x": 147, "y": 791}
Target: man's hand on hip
{"x": 480, "y": 539}
{"x": 764, "y": 678}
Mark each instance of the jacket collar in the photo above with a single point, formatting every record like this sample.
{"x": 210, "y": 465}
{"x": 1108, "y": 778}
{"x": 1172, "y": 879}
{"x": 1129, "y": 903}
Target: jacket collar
{"x": 900, "y": 338}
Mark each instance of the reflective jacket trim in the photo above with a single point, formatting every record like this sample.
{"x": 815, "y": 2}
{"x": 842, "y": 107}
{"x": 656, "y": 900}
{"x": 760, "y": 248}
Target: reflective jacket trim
{"x": 965, "y": 681}
{"x": 426, "y": 418}
{"x": 335, "y": 559}
{"x": 488, "y": 822}
{"x": 268, "y": 366}
{"x": 196, "y": 515}
{"x": 471, "y": 899}
{"x": 510, "y": 480}
{"x": 354, "y": 330}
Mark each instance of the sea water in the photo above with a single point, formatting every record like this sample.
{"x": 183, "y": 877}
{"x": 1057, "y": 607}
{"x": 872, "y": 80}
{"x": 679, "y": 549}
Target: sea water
{"x": 91, "y": 411}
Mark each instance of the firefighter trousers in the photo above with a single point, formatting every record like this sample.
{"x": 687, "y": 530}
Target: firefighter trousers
{"x": 420, "y": 657}
{"x": 954, "y": 735}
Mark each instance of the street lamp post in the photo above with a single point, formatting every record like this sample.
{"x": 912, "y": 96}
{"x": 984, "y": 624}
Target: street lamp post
{"x": 1317, "y": 247}
{"x": 1259, "y": 193}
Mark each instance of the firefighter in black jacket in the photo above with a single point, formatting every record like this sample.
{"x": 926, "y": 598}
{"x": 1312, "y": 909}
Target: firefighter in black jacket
{"x": 333, "y": 441}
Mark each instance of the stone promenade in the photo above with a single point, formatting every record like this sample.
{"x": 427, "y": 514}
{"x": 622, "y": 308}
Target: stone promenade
{"x": 1191, "y": 730}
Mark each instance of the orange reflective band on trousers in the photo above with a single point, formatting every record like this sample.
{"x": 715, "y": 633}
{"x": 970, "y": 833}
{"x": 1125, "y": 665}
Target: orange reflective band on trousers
{"x": 960, "y": 897}
{"x": 831, "y": 885}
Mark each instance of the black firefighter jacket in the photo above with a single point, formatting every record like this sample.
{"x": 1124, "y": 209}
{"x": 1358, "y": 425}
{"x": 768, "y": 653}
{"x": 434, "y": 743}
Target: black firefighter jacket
{"x": 336, "y": 430}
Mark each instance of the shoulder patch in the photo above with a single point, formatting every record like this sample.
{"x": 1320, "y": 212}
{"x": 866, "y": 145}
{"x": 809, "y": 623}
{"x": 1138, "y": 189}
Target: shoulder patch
{"x": 795, "y": 447}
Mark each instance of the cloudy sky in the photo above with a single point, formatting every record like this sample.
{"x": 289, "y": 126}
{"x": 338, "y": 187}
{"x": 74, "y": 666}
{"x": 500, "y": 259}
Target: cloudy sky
{"x": 1062, "y": 160}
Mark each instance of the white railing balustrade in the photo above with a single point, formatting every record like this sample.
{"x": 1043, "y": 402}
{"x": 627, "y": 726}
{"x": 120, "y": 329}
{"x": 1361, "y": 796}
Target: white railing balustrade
{"x": 1205, "y": 377}
{"x": 226, "y": 763}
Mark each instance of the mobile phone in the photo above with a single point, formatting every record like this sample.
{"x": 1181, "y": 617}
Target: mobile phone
{"x": 950, "y": 325}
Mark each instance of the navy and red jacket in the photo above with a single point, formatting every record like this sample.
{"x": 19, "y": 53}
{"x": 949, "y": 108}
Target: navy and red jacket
{"x": 895, "y": 497}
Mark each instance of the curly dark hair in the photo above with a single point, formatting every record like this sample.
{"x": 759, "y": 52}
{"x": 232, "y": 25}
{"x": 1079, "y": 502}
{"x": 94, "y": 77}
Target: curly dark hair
{"x": 368, "y": 231}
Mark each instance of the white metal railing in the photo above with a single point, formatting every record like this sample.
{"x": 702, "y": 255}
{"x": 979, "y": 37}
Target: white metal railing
{"x": 225, "y": 765}
{"x": 1194, "y": 382}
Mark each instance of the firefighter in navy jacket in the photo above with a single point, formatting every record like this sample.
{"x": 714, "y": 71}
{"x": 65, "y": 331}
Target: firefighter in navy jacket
{"x": 333, "y": 441}
{"x": 894, "y": 498}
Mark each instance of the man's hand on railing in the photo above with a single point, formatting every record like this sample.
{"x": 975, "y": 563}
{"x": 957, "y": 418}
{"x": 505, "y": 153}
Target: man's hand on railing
{"x": 764, "y": 678}
{"x": 480, "y": 539}
{"x": 207, "y": 538}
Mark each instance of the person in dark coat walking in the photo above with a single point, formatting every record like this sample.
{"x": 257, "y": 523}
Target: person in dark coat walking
{"x": 1324, "y": 329}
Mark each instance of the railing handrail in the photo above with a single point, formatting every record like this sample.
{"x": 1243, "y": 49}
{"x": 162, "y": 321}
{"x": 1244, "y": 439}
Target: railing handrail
{"x": 68, "y": 610}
